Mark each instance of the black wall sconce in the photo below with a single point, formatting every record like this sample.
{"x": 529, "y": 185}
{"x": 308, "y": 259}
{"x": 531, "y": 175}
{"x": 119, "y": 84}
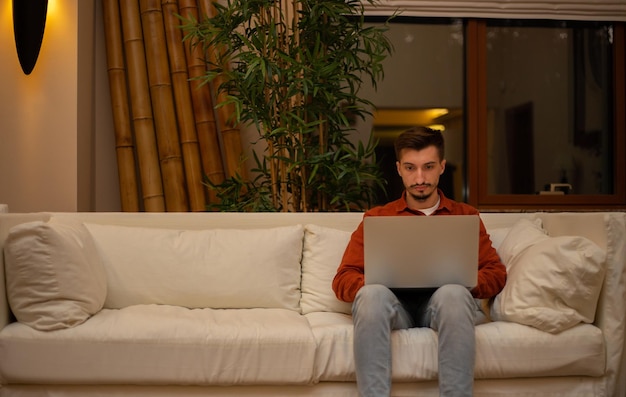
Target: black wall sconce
{"x": 29, "y": 23}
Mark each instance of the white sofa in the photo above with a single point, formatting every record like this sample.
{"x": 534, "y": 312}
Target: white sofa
{"x": 190, "y": 304}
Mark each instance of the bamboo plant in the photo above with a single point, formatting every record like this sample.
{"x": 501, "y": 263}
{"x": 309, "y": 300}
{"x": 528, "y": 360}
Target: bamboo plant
{"x": 293, "y": 69}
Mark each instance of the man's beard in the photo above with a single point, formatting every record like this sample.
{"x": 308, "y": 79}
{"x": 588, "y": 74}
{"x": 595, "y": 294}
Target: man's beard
{"x": 421, "y": 197}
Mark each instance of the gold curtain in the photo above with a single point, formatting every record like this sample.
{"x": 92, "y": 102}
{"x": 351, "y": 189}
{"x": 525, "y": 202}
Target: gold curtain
{"x": 167, "y": 132}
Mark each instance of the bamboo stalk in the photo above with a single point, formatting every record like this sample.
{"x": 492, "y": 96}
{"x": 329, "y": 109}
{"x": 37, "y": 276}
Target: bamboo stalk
{"x": 184, "y": 108}
{"x": 124, "y": 146}
{"x": 206, "y": 126}
{"x": 159, "y": 80}
{"x": 229, "y": 132}
{"x": 322, "y": 143}
{"x": 231, "y": 139}
{"x": 284, "y": 177}
{"x": 274, "y": 177}
{"x": 273, "y": 174}
{"x": 149, "y": 169}
{"x": 297, "y": 101}
{"x": 283, "y": 107}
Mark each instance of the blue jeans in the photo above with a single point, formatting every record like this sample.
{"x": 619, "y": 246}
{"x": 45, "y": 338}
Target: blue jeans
{"x": 450, "y": 310}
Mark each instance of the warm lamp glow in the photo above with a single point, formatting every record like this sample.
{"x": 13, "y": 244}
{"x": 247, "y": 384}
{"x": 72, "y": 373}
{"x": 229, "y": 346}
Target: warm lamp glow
{"x": 408, "y": 117}
{"x": 437, "y": 112}
{"x": 438, "y": 127}
{"x": 53, "y": 8}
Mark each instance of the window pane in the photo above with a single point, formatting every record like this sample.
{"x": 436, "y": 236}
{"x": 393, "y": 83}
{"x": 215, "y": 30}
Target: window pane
{"x": 423, "y": 85}
{"x": 549, "y": 100}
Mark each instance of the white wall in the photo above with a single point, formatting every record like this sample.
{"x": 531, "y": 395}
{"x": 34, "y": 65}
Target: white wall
{"x": 106, "y": 188}
{"x": 54, "y": 119}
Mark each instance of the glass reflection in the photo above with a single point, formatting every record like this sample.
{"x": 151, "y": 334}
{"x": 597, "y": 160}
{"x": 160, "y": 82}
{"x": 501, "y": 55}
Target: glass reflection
{"x": 550, "y": 106}
{"x": 423, "y": 85}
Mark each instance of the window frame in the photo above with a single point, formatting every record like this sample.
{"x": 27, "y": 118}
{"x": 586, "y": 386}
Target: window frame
{"x": 476, "y": 133}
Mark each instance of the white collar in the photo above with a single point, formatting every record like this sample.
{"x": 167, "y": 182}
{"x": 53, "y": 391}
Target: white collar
{"x": 429, "y": 211}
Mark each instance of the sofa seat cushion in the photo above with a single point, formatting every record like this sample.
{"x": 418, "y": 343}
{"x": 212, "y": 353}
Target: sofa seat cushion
{"x": 159, "y": 344}
{"x": 511, "y": 350}
{"x": 414, "y": 350}
{"x": 504, "y": 350}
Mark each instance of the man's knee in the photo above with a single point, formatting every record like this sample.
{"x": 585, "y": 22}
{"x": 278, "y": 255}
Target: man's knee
{"x": 454, "y": 300}
{"x": 374, "y": 298}
{"x": 454, "y": 293}
{"x": 453, "y": 316}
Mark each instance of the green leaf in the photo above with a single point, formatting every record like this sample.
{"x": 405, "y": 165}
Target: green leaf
{"x": 301, "y": 91}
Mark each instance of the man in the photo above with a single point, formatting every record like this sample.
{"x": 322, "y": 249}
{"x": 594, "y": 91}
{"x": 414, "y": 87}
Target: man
{"x": 451, "y": 310}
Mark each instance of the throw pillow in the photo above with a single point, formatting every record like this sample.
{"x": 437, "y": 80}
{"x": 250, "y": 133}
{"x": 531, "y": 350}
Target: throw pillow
{"x": 553, "y": 282}
{"x": 214, "y": 268}
{"x": 54, "y": 276}
{"x": 523, "y": 233}
{"x": 322, "y": 253}
{"x": 497, "y": 236}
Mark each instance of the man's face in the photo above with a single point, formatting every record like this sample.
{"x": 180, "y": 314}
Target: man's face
{"x": 420, "y": 171}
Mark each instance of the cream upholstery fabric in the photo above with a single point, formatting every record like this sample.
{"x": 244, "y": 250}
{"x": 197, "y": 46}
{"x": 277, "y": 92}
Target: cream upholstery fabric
{"x": 414, "y": 350}
{"x": 54, "y": 276}
{"x": 322, "y": 253}
{"x": 148, "y": 350}
{"x": 504, "y": 350}
{"x": 161, "y": 344}
{"x": 498, "y": 235}
{"x": 553, "y": 282}
{"x": 510, "y": 350}
{"x": 218, "y": 268}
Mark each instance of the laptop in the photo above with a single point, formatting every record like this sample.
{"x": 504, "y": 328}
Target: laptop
{"x": 421, "y": 251}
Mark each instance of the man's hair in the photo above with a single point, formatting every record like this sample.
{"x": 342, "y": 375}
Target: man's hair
{"x": 418, "y": 138}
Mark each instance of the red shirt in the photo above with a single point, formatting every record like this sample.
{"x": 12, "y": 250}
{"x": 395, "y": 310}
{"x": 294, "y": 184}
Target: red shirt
{"x": 491, "y": 272}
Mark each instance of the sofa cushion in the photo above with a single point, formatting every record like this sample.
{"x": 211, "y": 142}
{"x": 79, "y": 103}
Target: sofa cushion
{"x": 164, "y": 345}
{"x": 54, "y": 276}
{"x": 520, "y": 236}
{"x": 553, "y": 282}
{"x": 414, "y": 350}
{"x": 510, "y": 350}
{"x": 504, "y": 350}
{"x": 217, "y": 268}
{"x": 322, "y": 253}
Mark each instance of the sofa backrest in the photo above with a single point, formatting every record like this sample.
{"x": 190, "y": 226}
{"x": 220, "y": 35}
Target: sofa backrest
{"x": 221, "y": 220}
{"x": 590, "y": 225}
{"x": 197, "y": 224}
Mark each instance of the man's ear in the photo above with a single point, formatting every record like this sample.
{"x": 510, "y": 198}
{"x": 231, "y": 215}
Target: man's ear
{"x": 443, "y": 166}
{"x": 398, "y": 167}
